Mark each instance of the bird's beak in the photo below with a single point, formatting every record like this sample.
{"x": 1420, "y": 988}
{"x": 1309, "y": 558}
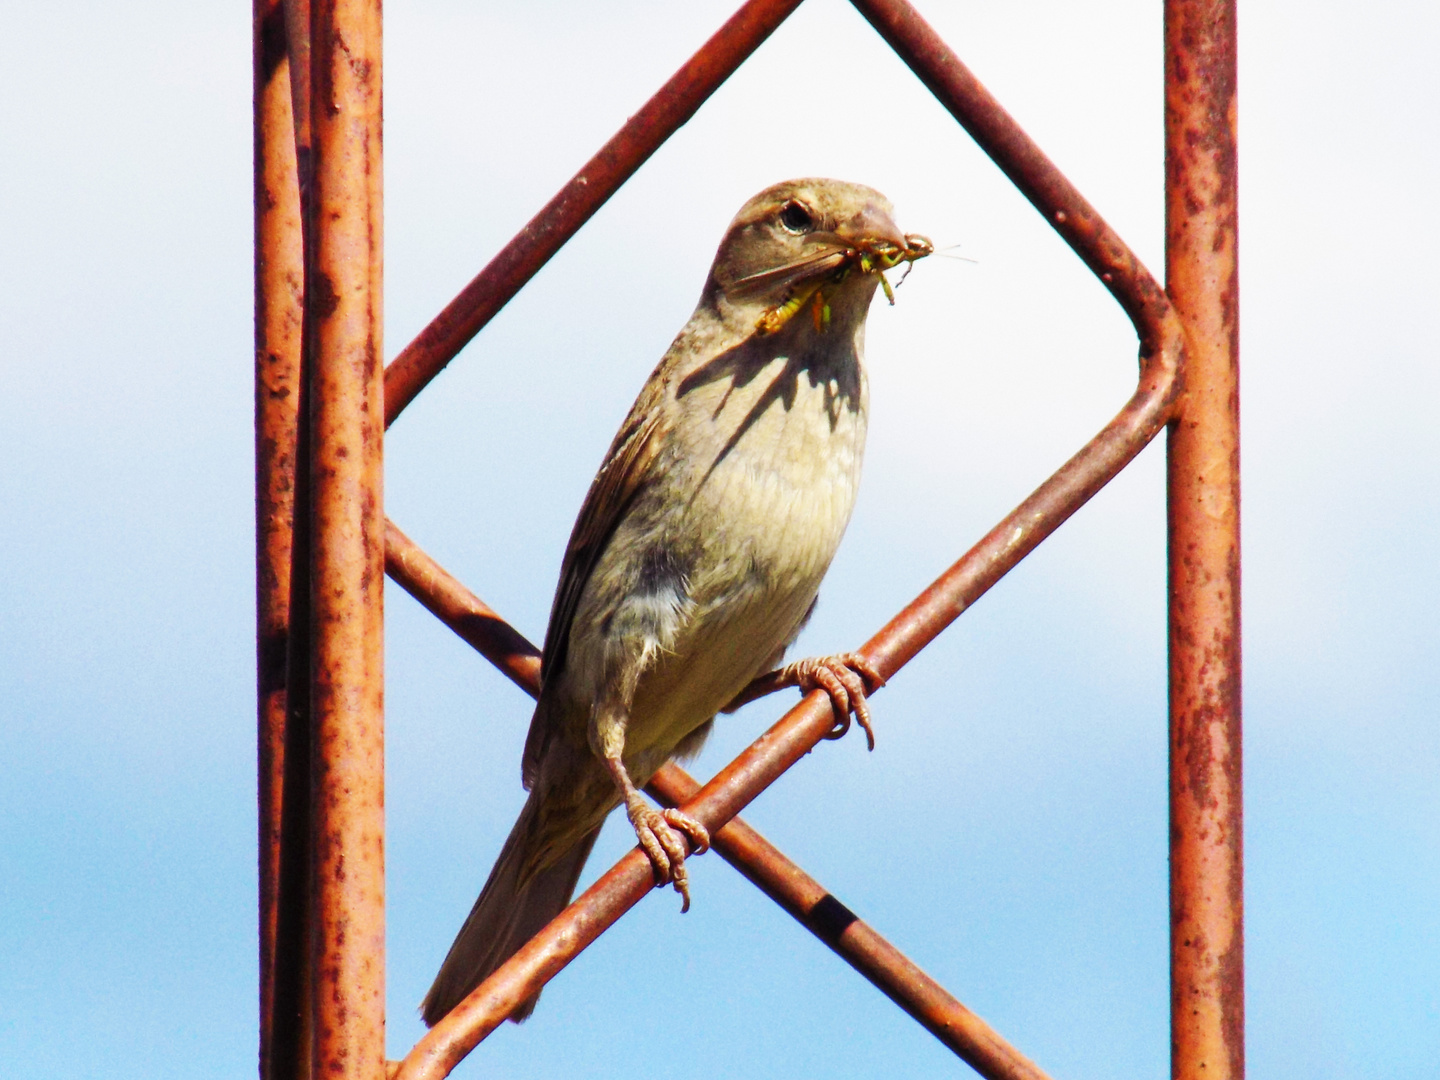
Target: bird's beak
{"x": 871, "y": 227}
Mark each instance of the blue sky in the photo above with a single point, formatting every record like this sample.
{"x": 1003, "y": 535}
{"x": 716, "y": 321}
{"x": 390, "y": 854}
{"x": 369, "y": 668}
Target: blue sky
{"x": 1009, "y": 830}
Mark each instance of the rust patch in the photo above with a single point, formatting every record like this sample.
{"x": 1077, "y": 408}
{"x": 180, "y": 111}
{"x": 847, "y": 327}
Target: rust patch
{"x": 324, "y": 300}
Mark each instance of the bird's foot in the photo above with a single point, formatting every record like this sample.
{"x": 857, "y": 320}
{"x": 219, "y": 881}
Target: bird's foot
{"x": 662, "y": 835}
{"x": 847, "y": 678}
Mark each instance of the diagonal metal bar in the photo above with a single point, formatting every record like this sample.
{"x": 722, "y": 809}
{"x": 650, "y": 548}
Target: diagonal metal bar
{"x": 1100, "y": 247}
{"x": 461, "y": 610}
{"x": 799, "y": 894}
{"x": 547, "y": 232}
{"x": 973, "y": 1040}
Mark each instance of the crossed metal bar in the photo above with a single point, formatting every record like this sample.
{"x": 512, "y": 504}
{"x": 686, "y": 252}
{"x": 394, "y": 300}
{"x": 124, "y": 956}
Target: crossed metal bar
{"x": 322, "y": 404}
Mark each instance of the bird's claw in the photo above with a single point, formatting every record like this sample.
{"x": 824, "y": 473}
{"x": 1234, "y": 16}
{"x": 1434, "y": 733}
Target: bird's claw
{"x": 660, "y": 835}
{"x": 847, "y": 678}
{"x": 698, "y": 834}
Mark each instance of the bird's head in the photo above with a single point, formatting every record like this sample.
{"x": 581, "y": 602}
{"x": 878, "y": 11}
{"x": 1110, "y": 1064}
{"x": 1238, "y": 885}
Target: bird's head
{"x": 816, "y": 246}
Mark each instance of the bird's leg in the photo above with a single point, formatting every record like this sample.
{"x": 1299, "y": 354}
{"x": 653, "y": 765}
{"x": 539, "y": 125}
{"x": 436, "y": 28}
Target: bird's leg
{"x": 658, "y": 831}
{"x": 847, "y": 678}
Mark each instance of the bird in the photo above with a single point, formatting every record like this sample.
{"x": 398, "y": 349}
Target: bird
{"x": 698, "y": 553}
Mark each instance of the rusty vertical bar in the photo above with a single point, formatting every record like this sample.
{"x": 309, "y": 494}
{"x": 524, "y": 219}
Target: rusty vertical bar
{"x": 1207, "y": 983}
{"x": 279, "y": 294}
{"x": 288, "y": 1033}
{"x": 346, "y": 411}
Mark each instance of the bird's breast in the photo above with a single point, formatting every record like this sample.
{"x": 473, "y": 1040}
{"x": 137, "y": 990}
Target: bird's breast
{"x": 775, "y": 477}
{"x": 761, "y": 488}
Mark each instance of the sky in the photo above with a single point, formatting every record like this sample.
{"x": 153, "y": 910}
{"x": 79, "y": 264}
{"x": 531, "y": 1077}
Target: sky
{"x": 1009, "y": 831}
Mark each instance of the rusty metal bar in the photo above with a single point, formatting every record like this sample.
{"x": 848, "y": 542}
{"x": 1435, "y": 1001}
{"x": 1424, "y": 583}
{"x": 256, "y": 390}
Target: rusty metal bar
{"x": 521, "y": 259}
{"x": 740, "y": 845}
{"x": 344, "y": 304}
{"x": 904, "y": 983}
{"x": 279, "y": 294}
{"x": 461, "y": 610}
{"x": 290, "y": 1028}
{"x": 1207, "y": 943}
{"x": 297, "y": 44}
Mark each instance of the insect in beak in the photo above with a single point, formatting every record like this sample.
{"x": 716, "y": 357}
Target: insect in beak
{"x": 879, "y": 255}
{"x": 870, "y": 255}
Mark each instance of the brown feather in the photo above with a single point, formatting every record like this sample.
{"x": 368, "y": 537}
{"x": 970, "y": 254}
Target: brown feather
{"x": 626, "y": 466}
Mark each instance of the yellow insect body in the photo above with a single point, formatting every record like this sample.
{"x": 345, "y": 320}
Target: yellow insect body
{"x": 777, "y": 317}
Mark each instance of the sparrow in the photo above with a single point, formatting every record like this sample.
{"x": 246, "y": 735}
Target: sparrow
{"x": 698, "y": 553}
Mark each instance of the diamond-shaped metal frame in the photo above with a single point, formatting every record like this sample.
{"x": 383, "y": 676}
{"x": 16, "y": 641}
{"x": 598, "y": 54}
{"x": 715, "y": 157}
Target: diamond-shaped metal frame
{"x": 322, "y": 405}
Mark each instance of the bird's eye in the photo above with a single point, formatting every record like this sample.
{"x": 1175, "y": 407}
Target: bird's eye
{"x": 796, "y": 218}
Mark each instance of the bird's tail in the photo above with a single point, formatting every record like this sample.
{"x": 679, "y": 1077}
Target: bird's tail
{"x": 515, "y": 904}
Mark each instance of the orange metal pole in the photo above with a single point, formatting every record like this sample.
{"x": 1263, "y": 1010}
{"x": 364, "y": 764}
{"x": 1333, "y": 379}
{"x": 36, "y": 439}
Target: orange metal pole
{"x": 1207, "y": 955}
{"x": 346, "y": 410}
{"x": 286, "y": 784}
{"x": 279, "y": 294}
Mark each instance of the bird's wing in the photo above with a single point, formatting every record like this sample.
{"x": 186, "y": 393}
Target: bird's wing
{"x": 620, "y": 478}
